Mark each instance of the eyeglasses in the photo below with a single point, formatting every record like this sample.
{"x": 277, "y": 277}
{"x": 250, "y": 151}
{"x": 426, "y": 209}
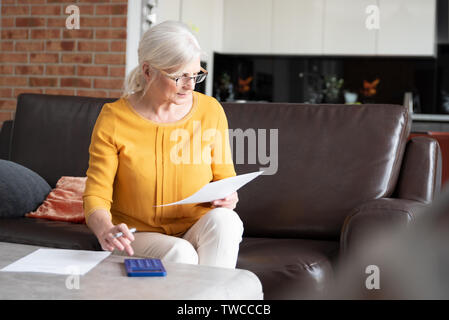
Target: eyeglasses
{"x": 185, "y": 80}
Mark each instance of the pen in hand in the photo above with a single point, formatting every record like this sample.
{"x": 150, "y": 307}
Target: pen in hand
{"x": 119, "y": 234}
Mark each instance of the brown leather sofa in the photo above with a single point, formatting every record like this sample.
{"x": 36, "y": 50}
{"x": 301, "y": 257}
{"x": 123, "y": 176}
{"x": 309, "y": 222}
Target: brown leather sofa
{"x": 337, "y": 173}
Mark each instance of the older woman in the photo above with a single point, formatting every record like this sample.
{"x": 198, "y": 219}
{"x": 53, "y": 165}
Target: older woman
{"x": 160, "y": 143}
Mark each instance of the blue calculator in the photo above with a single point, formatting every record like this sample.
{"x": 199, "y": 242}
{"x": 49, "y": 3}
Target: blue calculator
{"x": 145, "y": 268}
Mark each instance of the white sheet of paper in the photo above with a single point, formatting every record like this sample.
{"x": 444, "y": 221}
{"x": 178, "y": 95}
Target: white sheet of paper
{"x": 217, "y": 189}
{"x": 59, "y": 261}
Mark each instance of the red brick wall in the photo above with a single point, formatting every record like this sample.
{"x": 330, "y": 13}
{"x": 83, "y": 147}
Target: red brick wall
{"x": 39, "y": 54}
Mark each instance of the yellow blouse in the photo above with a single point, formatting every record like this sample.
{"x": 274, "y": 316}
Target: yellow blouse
{"x": 136, "y": 164}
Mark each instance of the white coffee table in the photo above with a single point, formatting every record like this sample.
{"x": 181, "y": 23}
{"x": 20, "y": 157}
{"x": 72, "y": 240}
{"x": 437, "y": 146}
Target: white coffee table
{"x": 108, "y": 280}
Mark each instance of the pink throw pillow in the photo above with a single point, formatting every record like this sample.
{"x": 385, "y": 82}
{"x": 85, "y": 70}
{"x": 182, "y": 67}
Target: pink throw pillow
{"x": 63, "y": 203}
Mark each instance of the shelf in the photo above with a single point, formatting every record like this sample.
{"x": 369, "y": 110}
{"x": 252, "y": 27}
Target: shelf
{"x": 431, "y": 117}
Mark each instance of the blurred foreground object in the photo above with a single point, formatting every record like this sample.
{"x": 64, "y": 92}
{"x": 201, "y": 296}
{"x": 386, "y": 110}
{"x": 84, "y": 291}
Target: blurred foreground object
{"x": 402, "y": 263}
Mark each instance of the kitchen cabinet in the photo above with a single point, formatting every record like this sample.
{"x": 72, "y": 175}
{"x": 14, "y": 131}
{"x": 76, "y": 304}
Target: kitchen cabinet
{"x": 330, "y": 27}
{"x": 247, "y": 26}
{"x": 168, "y": 10}
{"x": 345, "y": 31}
{"x": 297, "y": 27}
{"x": 407, "y": 27}
{"x": 273, "y": 26}
{"x": 306, "y": 27}
{"x": 205, "y": 19}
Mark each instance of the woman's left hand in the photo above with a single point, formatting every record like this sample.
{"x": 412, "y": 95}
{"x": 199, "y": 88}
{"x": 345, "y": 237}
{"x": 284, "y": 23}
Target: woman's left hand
{"x": 229, "y": 202}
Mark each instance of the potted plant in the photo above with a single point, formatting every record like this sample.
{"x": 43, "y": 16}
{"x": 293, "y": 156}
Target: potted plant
{"x": 332, "y": 88}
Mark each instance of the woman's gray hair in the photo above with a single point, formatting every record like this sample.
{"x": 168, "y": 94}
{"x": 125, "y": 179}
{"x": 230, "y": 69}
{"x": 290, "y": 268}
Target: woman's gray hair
{"x": 167, "y": 46}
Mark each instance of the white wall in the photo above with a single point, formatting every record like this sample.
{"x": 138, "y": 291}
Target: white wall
{"x": 133, "y": 30}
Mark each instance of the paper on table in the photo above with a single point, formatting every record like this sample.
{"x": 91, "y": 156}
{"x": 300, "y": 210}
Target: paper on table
{"x": 217, "y": 189}
{"x": 59, "y": 261}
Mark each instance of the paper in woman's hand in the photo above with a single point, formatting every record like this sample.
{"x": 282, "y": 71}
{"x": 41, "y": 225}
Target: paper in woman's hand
{"x": 217, "y": 189}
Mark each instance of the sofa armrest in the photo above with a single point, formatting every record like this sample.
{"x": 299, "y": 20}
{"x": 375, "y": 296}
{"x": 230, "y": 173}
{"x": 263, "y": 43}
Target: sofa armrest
{"x": 375, "y": 217}
{"x": 420, "y": 176}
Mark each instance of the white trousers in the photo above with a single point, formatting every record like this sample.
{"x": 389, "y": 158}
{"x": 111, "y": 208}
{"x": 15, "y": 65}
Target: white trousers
{"x": 213, "y": 241}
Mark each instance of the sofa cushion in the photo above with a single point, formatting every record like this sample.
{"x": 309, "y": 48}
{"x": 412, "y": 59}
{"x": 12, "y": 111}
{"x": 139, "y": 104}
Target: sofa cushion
{"x": 64, "y": 125}
{"x": 63, "y": 203}
{"x": 323, "y": 160}
{"x": 47, "y": 233}
{"x": 21, "y": 190}
{"x": 290, "y": 268}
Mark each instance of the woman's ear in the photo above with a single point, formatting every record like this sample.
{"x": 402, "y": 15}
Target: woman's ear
{"x": 146, "y": 71}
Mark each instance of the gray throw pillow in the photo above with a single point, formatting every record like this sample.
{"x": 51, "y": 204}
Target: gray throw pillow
{"x": 21, "y": 190}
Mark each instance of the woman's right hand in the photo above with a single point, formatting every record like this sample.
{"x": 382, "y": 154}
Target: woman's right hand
{"x": 101, "y": 225}
{"x": 109, "y": 242}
